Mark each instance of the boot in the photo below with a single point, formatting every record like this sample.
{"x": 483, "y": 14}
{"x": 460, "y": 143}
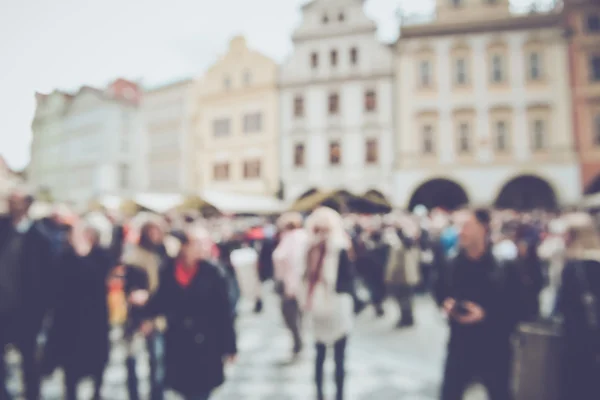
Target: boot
{"x": 132, "y": 381}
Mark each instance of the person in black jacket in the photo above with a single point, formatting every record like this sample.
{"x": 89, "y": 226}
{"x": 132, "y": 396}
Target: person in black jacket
{"x": 477, "y": 294}
{"x": 200, "y": 335}
{"x": 26, "y": 278}
{"x": 78, "y": 338}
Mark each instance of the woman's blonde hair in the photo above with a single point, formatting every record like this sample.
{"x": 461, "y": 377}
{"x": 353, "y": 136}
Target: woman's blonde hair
{"x": 331, "y": 220}
{"x": 583, "y": 236}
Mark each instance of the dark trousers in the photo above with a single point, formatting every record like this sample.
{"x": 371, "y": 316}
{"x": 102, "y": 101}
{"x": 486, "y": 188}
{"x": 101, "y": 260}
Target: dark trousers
{"x": 339, "y": 351}
{"x": 293, "y": 320}
{"x": 72, "y": 382}
{"x": 465, "y": 367}
{"x": 403, "y": 296}
{"x": 154, "y": 343}
{"x": 26, "y": 343}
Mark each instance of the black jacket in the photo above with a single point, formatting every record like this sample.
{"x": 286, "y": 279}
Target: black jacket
{"x": 200, "y": 328}
{"x": 488, "y": 283}
{"x": 78, "y": 339}
{"x": 37, "y": 279}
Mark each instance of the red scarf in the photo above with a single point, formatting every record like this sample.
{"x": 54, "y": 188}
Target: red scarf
{"x": 183, "y": 275}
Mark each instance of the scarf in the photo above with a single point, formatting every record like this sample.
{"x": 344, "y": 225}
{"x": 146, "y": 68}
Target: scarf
{"x": 316, "y": 255}
{"x": 183, "y": 275}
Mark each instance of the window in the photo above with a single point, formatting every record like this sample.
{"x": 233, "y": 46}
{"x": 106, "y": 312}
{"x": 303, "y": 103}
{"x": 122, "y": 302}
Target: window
{"x": 535, "y": 72}
{"x": 456, "y": 3}
{"x": 354, "y": 56}
{"x": 464, "y": 138}
{"x": 427, "y": 140}
{"x": 341, "y": 17}
{"x": 593, "y": 23}
{"x": 325, "y": 19}
{"x": 595, "y": 68}
{"x": 370, "y": 100}
{"x": 314, "y": 60}
{"x": 335, "y": 153}
{"x": 221, "y": 127}
{"x": 252, "y": 122}
{"x": 227, "y": 83}
{"x": 298, "y": 107}
{"x": 334, "y": 104}
{"x": 425, "y": 73}
{"x": 597, "y": 130}
{"x": 299, "y": 155}
{"x": 501, "y": 137}
{"x": 247, "y": 78}
{"x": 497, "y": 69}
{"x": 539, "y": 135}
{"x": 221, "y": 171}
{"x": 252, "y": 169}
{"x": 461, "y": 71}
{"x": 372, "y": 151}
{"x": 334, "y": 58}
{"x": 124, "y": 176}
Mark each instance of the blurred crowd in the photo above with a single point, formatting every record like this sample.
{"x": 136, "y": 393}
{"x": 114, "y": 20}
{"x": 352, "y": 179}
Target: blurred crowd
{"x": 176, "y": 281}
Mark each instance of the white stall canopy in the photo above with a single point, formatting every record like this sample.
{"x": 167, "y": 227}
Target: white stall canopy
{"x": 232, "y": 203}
{"x": 159, "y": 202}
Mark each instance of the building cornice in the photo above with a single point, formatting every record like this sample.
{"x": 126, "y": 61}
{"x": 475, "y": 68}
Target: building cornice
{"x": 321, "y": 35}
{"x": 328, "y": 81}
{"x": 521, "y": 22}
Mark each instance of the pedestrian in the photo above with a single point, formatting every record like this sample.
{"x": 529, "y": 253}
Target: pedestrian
{"x": 579, "y": 303}
{"x": 78, "y": 340}
{"x": 26, "y": 281}
{"x": 476, "y": 292}
{"x": 329, "y": 281}
{"x": 245, "y": 262}
{"x": 289, "y": 263}
{"x": 142, "y": 262}
{"x": 200, "y": 336}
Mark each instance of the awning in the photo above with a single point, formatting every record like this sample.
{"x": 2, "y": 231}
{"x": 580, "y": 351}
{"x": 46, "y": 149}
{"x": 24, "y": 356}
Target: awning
{"x": 591, "y": 201}
{"x": 231, "y": 203}
{"x": 159, "y": 202}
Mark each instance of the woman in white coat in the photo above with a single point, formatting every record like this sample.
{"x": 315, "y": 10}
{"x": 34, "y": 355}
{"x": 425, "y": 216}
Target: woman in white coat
{"x": 329, "y": 288}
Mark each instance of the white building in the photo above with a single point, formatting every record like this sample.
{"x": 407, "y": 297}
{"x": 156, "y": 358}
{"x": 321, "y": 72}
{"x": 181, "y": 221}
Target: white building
{"x": 336, "y": 103}
{"x": 88, "y": 144}
{"x": 484, "y": 109}
{"x": 169, "y": 145}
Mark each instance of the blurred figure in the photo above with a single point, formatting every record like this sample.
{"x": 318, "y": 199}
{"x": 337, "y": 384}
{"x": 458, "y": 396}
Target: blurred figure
{"x": 245, "y": 262}
{"x": 142, "y": 263}
{"x": 529, "y": 275}
{"x": 476, "y": 292}
{"x": 579, "y": 303}
{"x": 289, "y": 263}
{"x": 376, "y": 260}
{"x": 78, "y": 339}
{"x": 329, "y": 280}
{"x": 200, "y": 335}
{"x": 26, "y": 268}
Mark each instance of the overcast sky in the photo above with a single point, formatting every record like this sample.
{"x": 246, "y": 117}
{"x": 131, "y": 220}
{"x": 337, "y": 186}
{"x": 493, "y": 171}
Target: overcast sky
{"x": 67, "y": 43}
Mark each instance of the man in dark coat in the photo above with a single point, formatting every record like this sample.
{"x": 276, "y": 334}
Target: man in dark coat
{"x": 477, "y": 294}
{"x": 25, "y": 284}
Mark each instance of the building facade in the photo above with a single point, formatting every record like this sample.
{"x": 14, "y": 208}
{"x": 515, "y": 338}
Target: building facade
{"x": 236, "y": 123}
{"x": 89, "y": 143}
{"x": 484, "y": 109}
{"x": 166, "y": 111}
{"x": 582, "y": 18}
{"x": 336, "y": 101}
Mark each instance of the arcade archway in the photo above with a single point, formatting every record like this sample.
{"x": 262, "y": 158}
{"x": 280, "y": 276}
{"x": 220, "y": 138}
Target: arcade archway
{"x": 593, "y": 187}
{"x": 442, "y": 193}
{"x": 527, "y": 192}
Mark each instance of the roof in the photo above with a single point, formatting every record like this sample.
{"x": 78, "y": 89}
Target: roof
{"x": 168, "y": 85}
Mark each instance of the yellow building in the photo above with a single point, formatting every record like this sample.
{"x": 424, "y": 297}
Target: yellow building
{"x": 484, "y": 108}
{"x": 236, "y": 122}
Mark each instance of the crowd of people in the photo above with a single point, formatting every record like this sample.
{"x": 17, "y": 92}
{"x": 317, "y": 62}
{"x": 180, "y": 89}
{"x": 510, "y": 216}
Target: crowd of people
{"x": 182, "y": 277}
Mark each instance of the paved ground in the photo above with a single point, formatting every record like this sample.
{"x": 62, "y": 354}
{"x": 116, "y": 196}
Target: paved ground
{"x": 383, "y": 363}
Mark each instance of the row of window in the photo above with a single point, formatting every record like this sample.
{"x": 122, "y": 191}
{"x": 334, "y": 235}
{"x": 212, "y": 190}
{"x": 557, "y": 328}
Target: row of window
{"x": 334, "y": 58}
{"x": 251, "y": 123}
{"x": 251, "y": 170}
{"x": 498, "y": 72}
{"x": 246, "y": 80}
{"x": 333, "y": 103}
{"x": 335, "y": 153}
{"x": 501, "y": 139}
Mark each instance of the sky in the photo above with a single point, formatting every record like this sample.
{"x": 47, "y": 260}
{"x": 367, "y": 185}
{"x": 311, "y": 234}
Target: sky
{"x": 64, "y": 44}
